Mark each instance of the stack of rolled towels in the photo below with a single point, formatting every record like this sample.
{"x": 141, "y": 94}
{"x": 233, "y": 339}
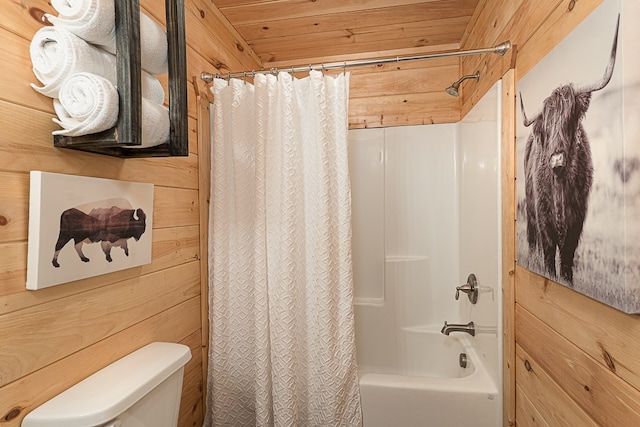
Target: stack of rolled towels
{"x": 75, "y": 61}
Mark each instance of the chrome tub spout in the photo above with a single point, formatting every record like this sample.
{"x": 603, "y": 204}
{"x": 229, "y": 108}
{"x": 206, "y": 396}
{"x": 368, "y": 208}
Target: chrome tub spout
{"x": 469, "y": 328}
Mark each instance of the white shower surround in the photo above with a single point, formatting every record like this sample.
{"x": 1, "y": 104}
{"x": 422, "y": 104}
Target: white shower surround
{"x": 426, "y": 213}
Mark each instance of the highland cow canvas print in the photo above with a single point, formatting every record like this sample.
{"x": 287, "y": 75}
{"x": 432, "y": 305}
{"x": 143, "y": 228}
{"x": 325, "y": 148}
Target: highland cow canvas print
{"x": 578, "y": 160}
{"x": 81, "y": 227}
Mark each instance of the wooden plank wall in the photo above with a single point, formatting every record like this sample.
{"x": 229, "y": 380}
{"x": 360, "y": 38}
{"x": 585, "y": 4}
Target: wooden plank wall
{"x": 575, "y": 360}
{"x": 50, "y": 339}
{"x": 401, "y": 94}
{"x": 508, "y": 170}
{"x": 409, "y": 93}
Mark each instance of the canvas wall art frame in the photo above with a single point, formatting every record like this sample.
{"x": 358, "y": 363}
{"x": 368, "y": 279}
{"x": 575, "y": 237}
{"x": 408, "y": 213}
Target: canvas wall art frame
{"x": 578, "y": 159}
{"x": 81, "y": 227}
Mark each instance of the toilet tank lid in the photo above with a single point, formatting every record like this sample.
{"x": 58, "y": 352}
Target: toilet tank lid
{"x": 112, "y": 390}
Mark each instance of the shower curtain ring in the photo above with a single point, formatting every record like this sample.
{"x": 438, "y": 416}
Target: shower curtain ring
{"x": 323, "y": 69}
{"x": 245, "y": 77}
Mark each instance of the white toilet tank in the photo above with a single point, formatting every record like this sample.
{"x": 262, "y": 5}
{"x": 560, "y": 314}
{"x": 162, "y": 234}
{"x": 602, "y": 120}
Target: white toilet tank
{"x": 140, "y": 390}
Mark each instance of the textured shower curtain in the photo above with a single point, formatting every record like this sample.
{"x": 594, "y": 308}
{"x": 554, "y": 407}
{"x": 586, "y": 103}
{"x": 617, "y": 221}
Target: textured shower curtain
{"x": 282, "y": 349}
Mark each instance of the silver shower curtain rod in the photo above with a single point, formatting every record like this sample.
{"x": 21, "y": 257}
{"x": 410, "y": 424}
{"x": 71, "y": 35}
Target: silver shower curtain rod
{"x": 500, "y": 49}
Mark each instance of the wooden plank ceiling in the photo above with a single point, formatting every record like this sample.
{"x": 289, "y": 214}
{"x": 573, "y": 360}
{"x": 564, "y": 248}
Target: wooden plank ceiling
{"x": 301, "y": 32}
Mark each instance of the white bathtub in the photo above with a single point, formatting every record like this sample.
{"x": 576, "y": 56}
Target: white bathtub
{"x": 436, "y": 392}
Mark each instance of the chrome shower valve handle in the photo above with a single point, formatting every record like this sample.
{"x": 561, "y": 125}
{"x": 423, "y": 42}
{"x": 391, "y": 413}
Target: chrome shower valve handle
{"x": 470, "y": 288}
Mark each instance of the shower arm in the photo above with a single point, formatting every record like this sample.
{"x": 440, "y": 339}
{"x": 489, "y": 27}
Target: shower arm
{"x": 454, "y": 89}
{"x": 499, "y": 49}
{"x": 468, "y": 76}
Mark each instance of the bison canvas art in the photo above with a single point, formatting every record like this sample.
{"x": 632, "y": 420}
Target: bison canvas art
{"x": 578, "y": 177}
{"x": 107, "y": 221}
{"x": 110, "y": 226}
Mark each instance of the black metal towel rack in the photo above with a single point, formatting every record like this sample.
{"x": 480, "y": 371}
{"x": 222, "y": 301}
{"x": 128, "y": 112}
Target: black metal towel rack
{"x": 128, "y": 130}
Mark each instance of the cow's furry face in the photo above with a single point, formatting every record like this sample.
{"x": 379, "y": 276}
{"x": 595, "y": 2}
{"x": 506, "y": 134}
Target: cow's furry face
{"x": 557, "y": 129}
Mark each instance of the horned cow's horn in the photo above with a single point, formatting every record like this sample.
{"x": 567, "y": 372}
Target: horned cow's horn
{"x": 526, "y": 121}
{"x": 608, "y": 72}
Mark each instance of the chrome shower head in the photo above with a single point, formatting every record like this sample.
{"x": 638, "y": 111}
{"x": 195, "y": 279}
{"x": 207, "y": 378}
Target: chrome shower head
{"x": 453, "y": 90}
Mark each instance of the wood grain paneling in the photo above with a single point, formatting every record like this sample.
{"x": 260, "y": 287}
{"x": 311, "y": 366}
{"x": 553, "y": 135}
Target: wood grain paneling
{"x": 176, "y": 207}
{"x": 363, "y": 23}
{"x": 191, "y": 406}
{"x": 528, "y": 415}
{"x": 17, "y": 62}
{"x": 205, "y": 98}
{"x": 597, "y": 390}
{"x": 545, "y": 400}
{"x": 26, "y": 19}
{"x": 404, "y": 81}
{"x": 404, "y": 109}
{"x": 613, "y": 341}
{"x": 224, "y": 50}
{"x": 268, "y": 11}
{"x": 291, "y": 49}
{"x": 90, "y": 316}
{"x": 288, "y": 33}
{"x": 508, "y": 185}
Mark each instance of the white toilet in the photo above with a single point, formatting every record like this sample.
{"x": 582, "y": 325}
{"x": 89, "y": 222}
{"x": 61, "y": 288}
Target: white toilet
{"x": 140, "y": 390}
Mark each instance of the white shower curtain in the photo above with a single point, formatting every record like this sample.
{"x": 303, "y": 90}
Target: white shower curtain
{"x": 282, "y": 349}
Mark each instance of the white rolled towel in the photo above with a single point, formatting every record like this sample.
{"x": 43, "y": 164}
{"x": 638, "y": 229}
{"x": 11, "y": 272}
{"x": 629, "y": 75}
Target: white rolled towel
{"x": 57, "y": 53}
{"x": 155, "y": 124}
{"x": 94, "y": 21}
{"x": 152, "y": 88}
{"x": 88, "y": 104}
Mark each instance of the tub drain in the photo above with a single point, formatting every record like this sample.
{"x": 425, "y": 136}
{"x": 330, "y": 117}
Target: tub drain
{"x": 462, "y": 360}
